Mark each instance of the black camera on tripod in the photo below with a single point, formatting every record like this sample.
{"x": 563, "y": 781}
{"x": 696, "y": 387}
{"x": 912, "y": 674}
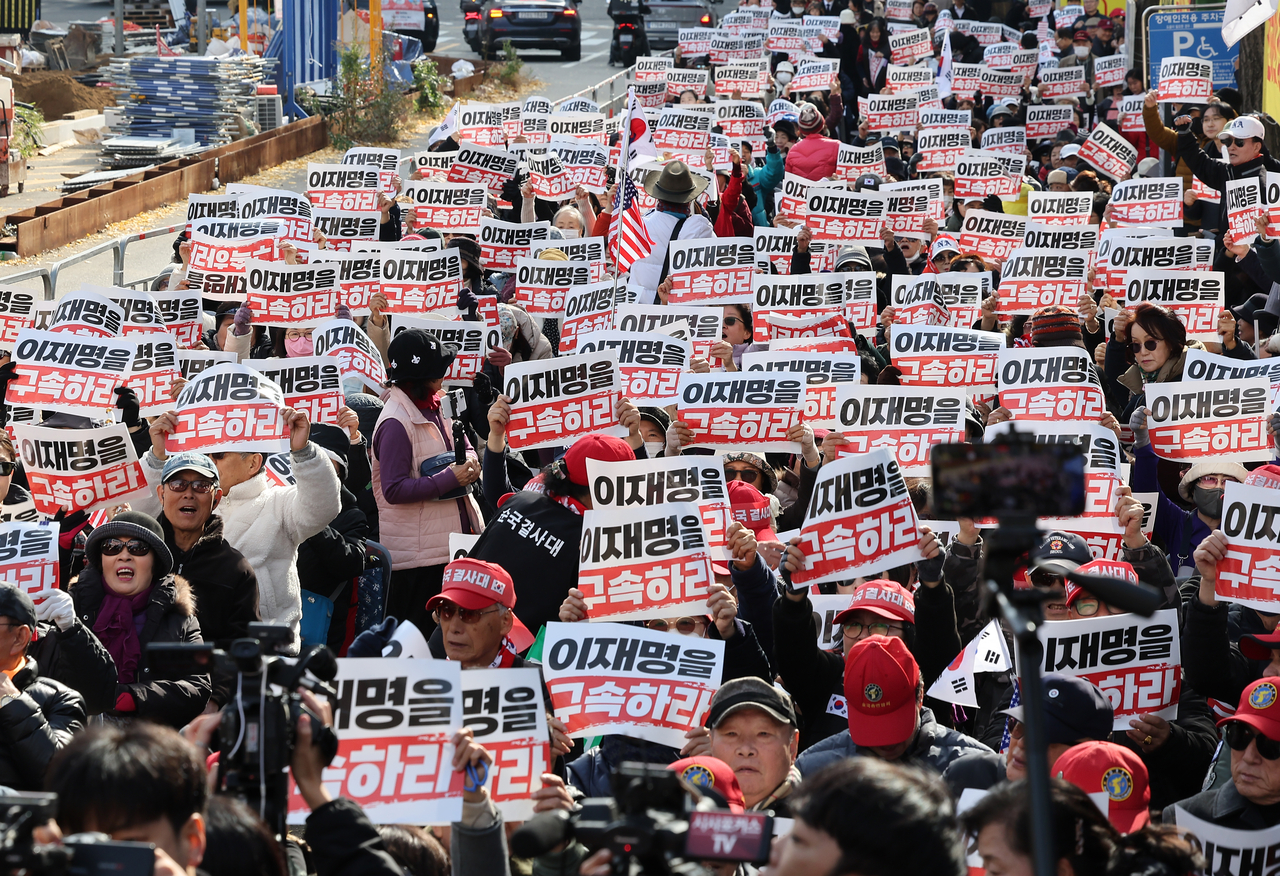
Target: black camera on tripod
{"x": 78, "y": 855}
{"x": 258, "y": 735}
{"x": 651, "y": 826}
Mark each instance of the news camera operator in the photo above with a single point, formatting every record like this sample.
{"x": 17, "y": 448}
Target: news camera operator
{"x": 130, "y": 597}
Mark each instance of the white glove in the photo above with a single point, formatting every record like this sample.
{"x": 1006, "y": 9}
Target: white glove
{"x": 56, "y": 607}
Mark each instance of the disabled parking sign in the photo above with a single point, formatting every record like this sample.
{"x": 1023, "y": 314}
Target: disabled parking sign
{"x": 1193, "y": 33}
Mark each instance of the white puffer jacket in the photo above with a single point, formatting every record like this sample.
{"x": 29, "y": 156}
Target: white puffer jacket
{"x": 266, "y": 523}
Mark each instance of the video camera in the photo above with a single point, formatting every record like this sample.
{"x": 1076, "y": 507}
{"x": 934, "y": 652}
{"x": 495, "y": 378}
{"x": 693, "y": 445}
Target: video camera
{"x": 78, "y": 855}
{"x": 258, "y": 735}
{"x": 651, "y": 826}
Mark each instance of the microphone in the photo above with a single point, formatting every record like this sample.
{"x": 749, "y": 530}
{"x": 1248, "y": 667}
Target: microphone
{"x": 323, "y": 665}
{"x": 1120, "y": 593}
{"x": 542, "y": 833}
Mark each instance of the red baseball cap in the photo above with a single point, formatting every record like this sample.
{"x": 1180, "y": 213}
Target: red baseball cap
{"x": 475, "y": 584}
{"x": 752, "y": 509}
{"x": 880, "y": 681}
{"x": 1104, "y": 767}
{"x": 886, "y": 598}
{"x": 602, "y": 447}
{"x": 1264, "y": 476}
{"x": 1105, "y": 568}
{"x": 1260, "y": 707}
{"x": 711, "y": 774}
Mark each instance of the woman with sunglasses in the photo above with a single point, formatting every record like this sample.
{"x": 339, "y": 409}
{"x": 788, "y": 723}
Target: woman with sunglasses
{"x": 1149, "y": 345}
{"x": 130, "y": 598}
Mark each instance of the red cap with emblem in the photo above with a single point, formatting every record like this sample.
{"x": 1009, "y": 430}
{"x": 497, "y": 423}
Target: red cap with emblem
{"x": 475, "y": 584}
{"x": 881, "y": 597}
{"x": 711, "y": 774}
{"x": 1260, "y": 707}
{"x": 1106, "y": 768}
{"x": 752, "y": 509}
{"x": 880, "y": 681}
{"x": 1105, "y": 568}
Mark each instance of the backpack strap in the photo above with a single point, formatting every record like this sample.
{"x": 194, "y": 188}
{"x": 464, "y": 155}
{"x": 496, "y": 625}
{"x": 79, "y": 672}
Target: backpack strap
{"x": 675, "y": 235}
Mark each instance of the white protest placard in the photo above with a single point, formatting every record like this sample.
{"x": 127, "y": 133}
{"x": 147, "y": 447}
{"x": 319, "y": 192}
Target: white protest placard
{"x": 225, "y": 206}
{"x": 1249, "y": 572}
{"x": 815, "y": 75}
{"x": 480, "y": 123}
{"x": 556, "y": 401}
{"x": 1046, "y": 120}
{"x": 1109, "y": 72}
{"x": 342, "y": 229}
{"x": 900, "y": 79}
{"x": 309, "y": 383}
{"x": 154, "y": 369}
{"x": 1049, "y": 383}
{"x": 705, "y": 323}
{"x": 944, "y": 356}
{"x": 849, "y": 217}
{"x": 1131, "y": 113}
{"x": 359, "y": 279}
{"x": 982, "y": 172}
{"x": 192, "y": 362}
{"x": 735, "y": 409}
{"x": 141, "y": 314}
{"x": 715, "y": 271}
{"x": 891, "y": 112}
{"x": 906, "y": 420}
{"x": 506, "y": 713}
{"x": 17, "y": 311}
{"x": 1136, "y": 661}
{"x": 501, "y": 243}
{"x": 487, "y": 166}
{"x": 1067, "y": 82}
{"x": 1077, "y": 238}
{"x": 356, "y": 354}
{"x": 1034, "y": 278}
{"x": 910, "y": 46}
{"x": 229, "y": 407}
{"x": 64, "y": 372}
{"x": 394, "y": 720}
{"x": 796, "y": 295}
{"x": 1150, "y": 202}
{"x": 962, "y": 293}
{"x": 991, "y": 235}
{"x": 823, "y": 374}
{"x": 81, "y": 469}
{"x": 1109, "y": 152}
{"x": 917, "y": 301}
{"x": 216, "y": 264}
{"x": 1244, "y": 206}
{"x": 587, "y": 309}
{"x": 1060, "y": 208}
{"x": 291, "y": 209}
{"x": 542, "y": 286}
{"x": 615, "y": 678}
{"x": 650, "y": 363}
{"x": 585, "y": 163}
{"x": 1184, "y": 80}
{"x": 1227, "y": 851}
{"x": 679, "y": 81}
{"x": 941, "y": 148}
{"x": 999, "y": 83}
{"x": 179, "y": 310}
{"x": 1010, "y": 139}
{"x": 860, "y": 520}
{"x": 681, "y": 130}
{"x": 87, "y": 313}
{"x": 1195, "y": 297}
{"x": 349, "y": 187}
{"x": 455, "y": 208}
{"x": 29, "y": 555}
{"x": 291, "y": 295}
{"x": 1203, "y": 365}
{"x": 645, "y": 561}
{"x": 471, "y": 340}
{"x": 1193, "y": 419}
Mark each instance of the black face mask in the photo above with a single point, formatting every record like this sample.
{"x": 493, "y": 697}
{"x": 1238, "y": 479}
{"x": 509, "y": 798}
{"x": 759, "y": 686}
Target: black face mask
{"x": 1208, "y": 502}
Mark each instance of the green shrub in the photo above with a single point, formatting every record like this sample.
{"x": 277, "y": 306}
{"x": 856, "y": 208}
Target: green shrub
{"x": 430, "y": 83}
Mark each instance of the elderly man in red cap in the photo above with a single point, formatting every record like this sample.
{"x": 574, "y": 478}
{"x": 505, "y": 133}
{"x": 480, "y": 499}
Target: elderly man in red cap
{"x": 884, "y": 699}
{"x": 475, "y": 612}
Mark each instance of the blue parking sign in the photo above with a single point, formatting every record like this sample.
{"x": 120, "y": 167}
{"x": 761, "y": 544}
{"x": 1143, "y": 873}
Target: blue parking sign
{"x": 1195, "y": 33}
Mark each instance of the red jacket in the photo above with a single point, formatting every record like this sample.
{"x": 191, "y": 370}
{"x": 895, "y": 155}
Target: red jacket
{"x": 733, "y": 219}
{"x": 814, "y": 157}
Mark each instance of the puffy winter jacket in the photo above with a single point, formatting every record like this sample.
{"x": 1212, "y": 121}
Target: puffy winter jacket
{"x": 76, "y": 658}
{"x": 35, "y": 725}
{"x": 170, "y": 617}
{"x": 934, "y": 747}
{"x": 814, "y": 157}
{"x": 225, "y": 587}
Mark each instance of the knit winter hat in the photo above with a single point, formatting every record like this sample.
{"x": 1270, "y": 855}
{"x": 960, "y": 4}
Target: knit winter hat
{"x": 810, "y": 119}
{"x": 131, "y": 525}
{"x": 1056, "y": 326}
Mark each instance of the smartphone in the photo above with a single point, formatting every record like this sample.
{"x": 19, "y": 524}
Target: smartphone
{"x": 1008, "y": 479}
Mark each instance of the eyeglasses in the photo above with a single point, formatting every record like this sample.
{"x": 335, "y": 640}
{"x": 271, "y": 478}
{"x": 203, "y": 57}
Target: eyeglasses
{"x": 732, "y": 321}
{"x": 113, "y": 546}
{"x": 1212, "y": 482}
{"x": 683, "y": 624}
{"x": 180, "y": 485}
{"x": 6, "y": 468}
{"x": 1148, "y": 344}
{"x": 1238, "y": 736}
{"x": 446, "y": 611}
{"x": 853, "y": 629}
{"x": 297, "y": 334}
{"x": 747, "y": 475}
{"x": 1234, "y": 141}
{"x": 1044, "y": 578}
{"x": 1087, "y": 606}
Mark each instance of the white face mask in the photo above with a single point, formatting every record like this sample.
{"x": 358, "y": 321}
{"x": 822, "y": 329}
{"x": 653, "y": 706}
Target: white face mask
{"x": 947, "y": 200}
{"x": 783, "y": 77}
{"x": 570, "y": 233}
{"x": 653, "y": 448}
{"x": 1081, "y": 51}
{"x": 797, "y": 10}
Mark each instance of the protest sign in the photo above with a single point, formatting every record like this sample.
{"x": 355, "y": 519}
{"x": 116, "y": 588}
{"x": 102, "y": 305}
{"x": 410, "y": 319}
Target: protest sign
{"x": 140, "y": 315}
{"x": 471, "y": 340}
{"x": 908, "y": 421}
{"x": 225, "y": 206}
{"x": 999, "y": 56}
{"x": 1109, "y": 152}
{"x": 682, "y": 131}
{"x": 1108, "y": 72}
{"x": 1024, "y": 62}
{"x": 585, "y": 163}
{"x": 900, "y": 79}
{"x": 1193, "y": 419}
{"x": 394, "y": 720}
{"x": 1010, "y": 139}
{"x": 489, "y": 167}
{"x": 741, "y": 410}
{"x": 998, "y": 83}
{"x": 29, "y": 555}
{"x": 941, "y": 148}
{"x": 1116, "y": 255}
{"x": 741, "y": 120}
{"x": 906, "y": 211}
{"x": 814, "y": 75}
{"x": 797, "y": 295}
{"x": 505, "y": 710}
{"x": 1184, "y": 80}
{"x": 616, "y": 678}
{"x": 87, "y": 313}
{"x": 1131, "y": 113}
{"x": 853, "y": 161}
{"x": 216, "y": 264}
{"x": 860, "y": 520}
{"x": 650, "y": 363}
{"x": 980, "y": 173}
{"x": 454, "y": 208}
{"x": 1036, "y": 278}
{"x": 944, "y": 356}
{"x": 649, "y": 69}
{"x": 542, "y": 286}
{"x": 1060, "y": 208}
{"x": 644, "y": 561}
{"x": 940, "y": 118}
{"x": 548, "y": 177}
{"x": 192, "y": 362}
{"x": 792, "y": 196}
{"x": 991, "y": 235}
{"x": 346, "y": 187}
{"x": 823, "y": 373}
{"x": 891, "y": 112}
{"x": 151, "y": 376}
{"x": 1244, "y": 206}
{"x": 417, "y": 282}
{"x": 966, "y": 79}
{"x": 387, "y": 161}
{"x": 962, "y": 293}
{"x": 229, "y": 407}
{"x": 356, "y": 354}
{"x": 1049, "y": 383}
{"x": 705, "y": 323}
{"x": 291, "y": 209}
{"x": 1148, "y": 202}
{"x": 1227, "y": 851}
{"x": 359, "y": 279}
{"x": 930, "y": 188}
{"x": 1195, "y": 297}
{"x": 22, "y": 512}
{"x": 587, "y": 309}
{"x": 64, "y": 372}
{"x": 17, "y": 311}
{"x": 480, "y": 123}
{"x": 501, "y": 243}
{"x": 1102, "y": 455}
{"x": 730, "y": 78}
{"x": 694, "y": 41}
{"x": 1046, "y": 120}
{"x": 555, "y": 402}
{"x": 910, "y": 46}
{"x": 586, "y": 249}
{"x": 1067, "y": 82}
{"x": 850, "y": 217}
{"x": 1203, "y": 365}
{"x": 308, "y": 383}
{"x": 917, "y": 301}
{"x": 291, "y": 295}
{"x": 1249, "y": 571}
{"x": 819, "y": 324}
{"x": 179, "y": 311}
{"x": 716, "y": 271}
{"x": 79, "y": 470}
{"x": 1077, "y": 238}
{"x": 679, "y": 81}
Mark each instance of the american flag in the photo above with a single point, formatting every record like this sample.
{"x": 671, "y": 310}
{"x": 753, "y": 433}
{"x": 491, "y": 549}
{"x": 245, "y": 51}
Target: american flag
{"x": 629, "y": 240}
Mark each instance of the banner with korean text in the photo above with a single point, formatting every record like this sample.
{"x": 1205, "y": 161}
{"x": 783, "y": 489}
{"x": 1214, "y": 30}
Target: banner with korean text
{"x": 944, "y": 356}
{"x": 650, "y": 363}
{"x": 505, "y": 710}
{"x": 741, "y": 410}
{"x": 907, "y": 420}
{"x": 29, "y": 555}
{"x": 80, "y": 470}
{"x": 1193, "y": 419}
{"x": 556, "y": 401}
{"x": 59, "y": 371}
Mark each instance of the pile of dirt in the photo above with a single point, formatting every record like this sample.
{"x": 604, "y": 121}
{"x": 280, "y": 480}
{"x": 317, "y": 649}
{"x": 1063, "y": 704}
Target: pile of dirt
{"x": 57, "y": 93}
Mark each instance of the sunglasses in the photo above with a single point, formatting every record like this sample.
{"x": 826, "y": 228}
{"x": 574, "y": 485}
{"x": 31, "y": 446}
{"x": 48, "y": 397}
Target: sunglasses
{"x": 446, "y": 611}
{"x": 1234, "y": 141}
{"x": 1148, "y": 344}
{"x": 853, "y": 629}
{"x": 180, "y": 485}
{"x": 1044, "y": 578}
{"x": 1238, "y": 736}
{"x": 747, "y": 475}
{"x": 732, "y": 320}
{"x": 7, "y": 468}
{"x": 113, "y": 546}
{"x": 683, "y": 625}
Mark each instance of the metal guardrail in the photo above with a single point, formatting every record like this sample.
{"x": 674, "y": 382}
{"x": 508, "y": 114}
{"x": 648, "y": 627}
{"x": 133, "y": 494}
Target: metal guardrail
{"x": 616, "y": 85}
{"x": 118, "y": 247}
{"x": 124, "y": 242}
{"x": 41, "y": 274}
